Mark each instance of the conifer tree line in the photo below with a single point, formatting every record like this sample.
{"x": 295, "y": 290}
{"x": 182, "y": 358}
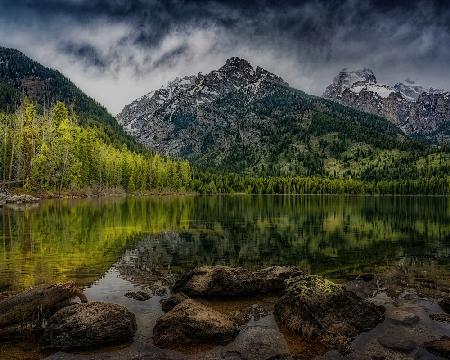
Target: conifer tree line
{"x": 210, "y": 183}
{"x": 50, "y": 151}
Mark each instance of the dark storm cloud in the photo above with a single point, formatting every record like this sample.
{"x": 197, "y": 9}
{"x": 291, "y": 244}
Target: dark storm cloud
{"x": 138, "y": 45}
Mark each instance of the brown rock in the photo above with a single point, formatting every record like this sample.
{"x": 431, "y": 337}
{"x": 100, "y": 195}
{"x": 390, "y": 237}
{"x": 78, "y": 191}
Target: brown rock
{"x": 191, "y": 322}
{"x": 138, "y": 295}
{"x": 439, "y": 347}
{"x": 90, "y": 325}
{"x": 231, "y": 281}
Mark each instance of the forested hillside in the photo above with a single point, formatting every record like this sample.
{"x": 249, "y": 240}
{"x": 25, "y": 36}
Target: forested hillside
{"x": 244, "y": 130}
{"x": 52, "y": 152}
{"x": 22, "y": 77}
{"x": 247, "y": 121}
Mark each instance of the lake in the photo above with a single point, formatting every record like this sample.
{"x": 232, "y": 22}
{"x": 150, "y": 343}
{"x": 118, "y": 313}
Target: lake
{"x": 113, "y": 245}
{"x": 80, "y": 240}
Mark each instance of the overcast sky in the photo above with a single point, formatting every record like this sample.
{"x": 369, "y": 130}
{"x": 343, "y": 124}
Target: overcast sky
{"x": 118, "y": 50}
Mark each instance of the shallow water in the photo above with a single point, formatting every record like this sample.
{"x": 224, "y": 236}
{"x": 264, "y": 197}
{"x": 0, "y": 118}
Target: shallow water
{"x": 111, "y": 246}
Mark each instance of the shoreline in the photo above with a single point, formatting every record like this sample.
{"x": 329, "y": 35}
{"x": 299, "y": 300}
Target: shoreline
{"x": 90, "y": 193}
{"x": 413, "y": 319}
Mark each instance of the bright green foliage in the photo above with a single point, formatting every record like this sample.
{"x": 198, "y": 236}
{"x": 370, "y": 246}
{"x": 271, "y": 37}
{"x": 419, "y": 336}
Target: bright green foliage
{"x": 54, "y": 153}
{"x": 45, "y": 86}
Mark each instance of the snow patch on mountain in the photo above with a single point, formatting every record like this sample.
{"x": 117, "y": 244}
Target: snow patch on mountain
{"x": 192, "y": 93}
{"x": 410, "y": 106}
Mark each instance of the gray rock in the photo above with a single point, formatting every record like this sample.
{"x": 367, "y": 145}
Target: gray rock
{"x": 256, "y": 343}
{"x": 191, "y": 322}
{"x": 445, "y": 304}
{"x": 90, "y": 325}
{"x": 397, "y": 341}
{"x": 233, "y": 281}
{"x": 138, "y": 295}
{"x": 401, "y": 317}
{"x": 21, "y": 199}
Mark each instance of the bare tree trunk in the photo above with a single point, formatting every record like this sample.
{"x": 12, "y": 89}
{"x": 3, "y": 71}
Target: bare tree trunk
{"x": 30, "y": 304}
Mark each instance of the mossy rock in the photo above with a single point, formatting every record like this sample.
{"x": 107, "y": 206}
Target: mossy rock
{"x": 315, "y": 306}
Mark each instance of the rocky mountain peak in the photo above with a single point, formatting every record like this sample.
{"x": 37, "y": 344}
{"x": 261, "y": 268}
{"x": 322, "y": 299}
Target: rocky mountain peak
{"x": 410, "y": 106}
{"x": 409, "y": 89}
{"x": 195, "y": 91}
{"x": 236, "y": 63}
{"x": 348, "y": 78}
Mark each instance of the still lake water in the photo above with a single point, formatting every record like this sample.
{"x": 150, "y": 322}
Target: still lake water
{"x": 80, "y": 240}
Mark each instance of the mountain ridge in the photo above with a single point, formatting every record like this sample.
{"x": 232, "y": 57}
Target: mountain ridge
{"x": 415, "y": 110}
{"x": 248, "y": 120}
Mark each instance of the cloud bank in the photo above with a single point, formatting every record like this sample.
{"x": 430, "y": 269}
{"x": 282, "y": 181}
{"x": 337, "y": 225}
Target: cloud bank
{"x": 118, "y": 50}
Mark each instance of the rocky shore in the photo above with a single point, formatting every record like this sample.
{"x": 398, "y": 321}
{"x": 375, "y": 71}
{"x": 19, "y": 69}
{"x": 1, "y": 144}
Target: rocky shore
{"x": 7, "y": 198}
{"x": 370, "y": 317}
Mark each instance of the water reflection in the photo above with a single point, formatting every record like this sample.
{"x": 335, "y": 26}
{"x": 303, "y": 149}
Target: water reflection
{"x": 81, "y": 239}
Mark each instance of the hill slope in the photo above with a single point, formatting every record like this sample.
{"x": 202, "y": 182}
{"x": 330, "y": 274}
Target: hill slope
{"x": 21, "y": 76}
{"x": 250, "y": 121}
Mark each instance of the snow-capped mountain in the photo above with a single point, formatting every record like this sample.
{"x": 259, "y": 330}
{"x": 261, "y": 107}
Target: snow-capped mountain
{"x": 144, "y": 115}
{"x": 413, "y": 108}
{"x": 247, "y": 120}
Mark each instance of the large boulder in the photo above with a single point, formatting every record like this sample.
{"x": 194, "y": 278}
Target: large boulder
{"x": 315, "y": 306}
{"x": 90, "y": 325}
{"x": 233, "y": 281}
{"x": 191, "y": 322}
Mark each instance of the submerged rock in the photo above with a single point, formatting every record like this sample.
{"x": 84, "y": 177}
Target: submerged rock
{"x": 315, "y": 306}
{"x": 191, "y": 322}
{"x": 439, "y": 347}
{"x": 255, "y": 343}
{"x": 231, "y": 281}
{"x": 401, "y": 317}
{"x": 138, "y": 295}
{"x": 445, "y": 304}
{"x": 169, "y": 303}
{"x": 444, "y": 318}
{"x": 90, "y": 325}
{"x": 397, "y": 341}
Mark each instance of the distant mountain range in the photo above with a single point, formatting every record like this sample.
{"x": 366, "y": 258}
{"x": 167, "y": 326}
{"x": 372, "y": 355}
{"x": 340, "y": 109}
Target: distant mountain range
{"x": 247, "y": 120}
{"x": 21, "y": 76}
{"x": 414, "y": 109}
